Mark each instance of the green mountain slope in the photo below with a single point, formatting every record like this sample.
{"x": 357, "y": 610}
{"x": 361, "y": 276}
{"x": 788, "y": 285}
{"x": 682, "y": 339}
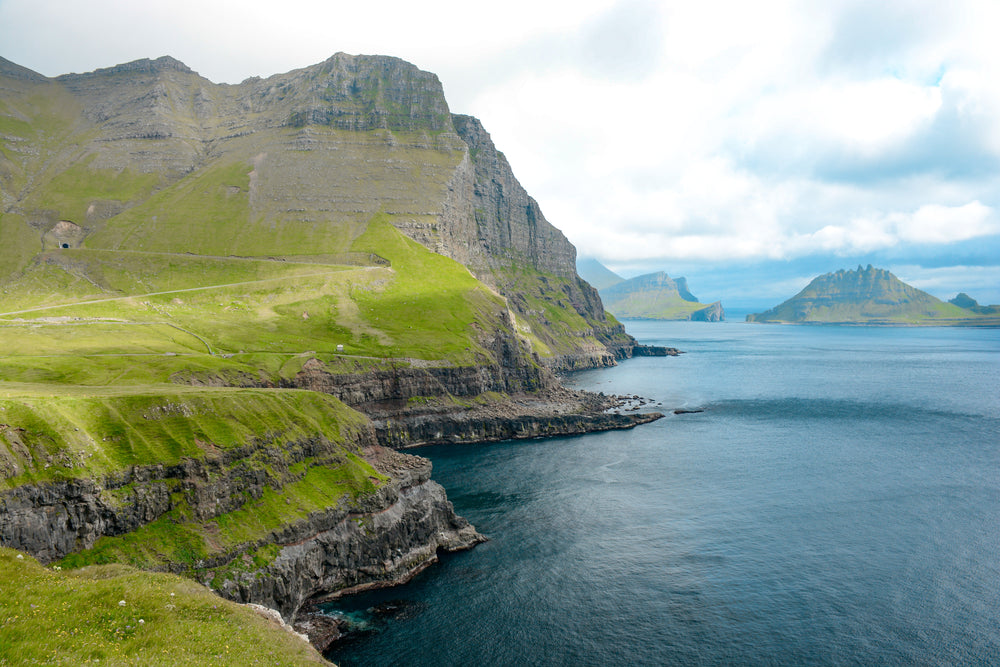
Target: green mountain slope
{"x": 863, "y": 296}
{"x": 659, "y": 297}
{"x": 116, "y": 182}
{"x": 116, "y": 615}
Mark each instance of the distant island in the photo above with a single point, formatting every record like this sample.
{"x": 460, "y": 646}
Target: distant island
{"x": 653, "y": 296}
{"x": 870, "y": 296}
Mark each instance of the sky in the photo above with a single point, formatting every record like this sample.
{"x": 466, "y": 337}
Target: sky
{"x": 748, "y": 146}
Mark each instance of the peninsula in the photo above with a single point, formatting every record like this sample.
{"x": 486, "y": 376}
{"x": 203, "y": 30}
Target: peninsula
{"x": 654, "y": 296}
{"x": 224, "y": 308}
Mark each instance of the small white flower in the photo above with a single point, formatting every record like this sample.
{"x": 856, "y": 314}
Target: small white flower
{"x": 171, "y": 595}
{"x": 121, "y": 603}
{"x": 20, "y": 557}
{"x": 141, "y": 621}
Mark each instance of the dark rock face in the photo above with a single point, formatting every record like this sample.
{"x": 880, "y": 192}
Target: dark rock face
{"x": 384, "y": 540}
{"x": 654, "y": 351}
{"x": 359, "y": 389}
{"x": 509, "y": 224}
{"x": 375, "y": 540}
{"x": 55, "y": 519}
{"x": 477, "y": 427}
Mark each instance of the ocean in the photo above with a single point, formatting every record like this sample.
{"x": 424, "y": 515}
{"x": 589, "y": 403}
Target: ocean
{"x": 835, "y": 502}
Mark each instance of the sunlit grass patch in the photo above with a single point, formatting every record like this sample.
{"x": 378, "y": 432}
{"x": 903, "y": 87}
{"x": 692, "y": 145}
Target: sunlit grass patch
{"x": 115, "y": 615}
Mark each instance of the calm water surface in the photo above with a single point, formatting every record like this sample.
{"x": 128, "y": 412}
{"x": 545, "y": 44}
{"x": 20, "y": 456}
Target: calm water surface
{"x": 837, "y": 502}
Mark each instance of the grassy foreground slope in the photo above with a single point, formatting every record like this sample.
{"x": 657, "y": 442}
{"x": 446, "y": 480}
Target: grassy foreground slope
{"x": 54, "y": 617}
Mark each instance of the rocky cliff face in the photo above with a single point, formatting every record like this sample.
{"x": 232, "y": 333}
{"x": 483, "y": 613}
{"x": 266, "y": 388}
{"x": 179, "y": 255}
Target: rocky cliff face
{"x": 712, "y": 313}
{"x": 378, "y": 538}
{"x": 384, "y": 539}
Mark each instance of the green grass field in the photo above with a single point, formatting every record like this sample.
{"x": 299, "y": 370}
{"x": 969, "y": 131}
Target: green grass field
{"x": 117, "y": 615}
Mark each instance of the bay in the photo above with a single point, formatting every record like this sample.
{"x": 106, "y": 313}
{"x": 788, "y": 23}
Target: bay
{"x": 836, "y": 502}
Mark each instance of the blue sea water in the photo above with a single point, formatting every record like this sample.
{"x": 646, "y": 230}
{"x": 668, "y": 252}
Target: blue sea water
{"x": 836, "y": 503}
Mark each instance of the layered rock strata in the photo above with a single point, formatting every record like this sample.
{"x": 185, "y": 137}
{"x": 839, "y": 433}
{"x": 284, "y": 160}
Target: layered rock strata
{"x": 376, "y": 539}
{"x": 382, "y": 540}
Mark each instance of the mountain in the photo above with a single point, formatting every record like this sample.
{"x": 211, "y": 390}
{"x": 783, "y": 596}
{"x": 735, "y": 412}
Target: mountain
{"x": 225, "y": 306}
{"x": 596, "y": 273}
{"x": 963, "y": 300}
{"x": 657, "y": 296}
{"x": 149, "y": 159}
{"x": 863, "y": 296}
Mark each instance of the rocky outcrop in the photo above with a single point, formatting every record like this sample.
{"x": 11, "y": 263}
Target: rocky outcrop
{"x": 654, "y": 351}
{"x": 479, "y": 427}
{"x": 712, "y": 313}
{"x": 384, "y": 539}
{"x": 376, "y": 539}
{"x": 555, "y": 412}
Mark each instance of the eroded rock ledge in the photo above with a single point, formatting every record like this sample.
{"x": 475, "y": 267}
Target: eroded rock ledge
{"x": 556, "y": 412}
{"x": 383, "y": 540}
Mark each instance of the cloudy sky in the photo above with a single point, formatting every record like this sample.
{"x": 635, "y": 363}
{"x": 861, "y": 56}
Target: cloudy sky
{"x": 746, "y": 145}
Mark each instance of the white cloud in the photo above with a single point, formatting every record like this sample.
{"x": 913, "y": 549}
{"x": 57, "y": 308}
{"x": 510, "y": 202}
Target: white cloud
{"x": 980, "y": 282}
{"x": 672, "y": 131}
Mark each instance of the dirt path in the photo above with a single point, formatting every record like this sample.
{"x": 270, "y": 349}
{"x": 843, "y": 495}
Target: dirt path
{"x": 178, "y": 291}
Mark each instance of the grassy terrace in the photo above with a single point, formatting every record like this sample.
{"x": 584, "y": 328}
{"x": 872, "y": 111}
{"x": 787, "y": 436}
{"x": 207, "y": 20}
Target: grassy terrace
{"x": 104, "y": 358}
{"x": 77, "y": 617}
{"x": 51, "y": 433}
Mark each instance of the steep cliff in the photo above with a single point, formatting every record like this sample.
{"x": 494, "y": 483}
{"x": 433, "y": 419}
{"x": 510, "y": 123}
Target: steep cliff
{"x": 151, "y": 157}
{"x": 193, "y": 274}
{"x": 260, "y": 509}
